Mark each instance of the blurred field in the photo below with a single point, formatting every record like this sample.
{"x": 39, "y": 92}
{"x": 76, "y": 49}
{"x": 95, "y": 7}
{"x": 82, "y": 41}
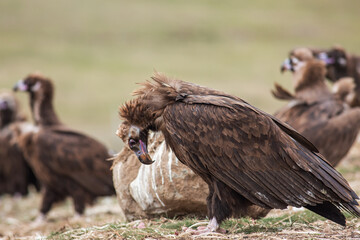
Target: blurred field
{"x": 96, "y": 51}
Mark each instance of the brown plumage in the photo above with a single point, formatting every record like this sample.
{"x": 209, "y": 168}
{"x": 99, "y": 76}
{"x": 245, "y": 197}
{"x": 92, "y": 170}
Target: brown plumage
{"x": 67, "y": 162}
{"x": 344, "y": 89}
{"x": 321, "y": 116}
{"x": 245, "y": 155}
{"x": 15, "y": 174}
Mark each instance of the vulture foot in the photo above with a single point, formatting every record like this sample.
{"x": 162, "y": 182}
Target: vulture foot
{"x": 212, "y": 227}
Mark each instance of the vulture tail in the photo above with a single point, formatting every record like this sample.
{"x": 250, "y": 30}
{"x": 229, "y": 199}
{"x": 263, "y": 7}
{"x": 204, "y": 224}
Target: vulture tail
{"x": 329, "y": 211}
{"x": 281, "y": 93}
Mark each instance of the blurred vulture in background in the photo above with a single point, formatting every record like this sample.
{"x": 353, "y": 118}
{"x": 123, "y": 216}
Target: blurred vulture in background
{"x": 246, "y": 156}
{"x": 67, "y": 162}
{"x": 339, "y": 64}
{"x": 15, "y": 174}
{"x": 323, "y": 117}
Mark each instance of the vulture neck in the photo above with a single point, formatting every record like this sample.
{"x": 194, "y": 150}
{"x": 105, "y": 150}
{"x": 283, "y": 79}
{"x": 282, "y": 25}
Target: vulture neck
{"x": 6, "y": 117}
{"x": 42, "y": 109}
{"x": 310, "y": 82}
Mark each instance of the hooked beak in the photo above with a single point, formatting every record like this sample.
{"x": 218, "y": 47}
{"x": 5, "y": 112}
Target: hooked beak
{"x": 286, "y": 66}
{"x": 20, "y": 86}
{"x": 143, "y": 154}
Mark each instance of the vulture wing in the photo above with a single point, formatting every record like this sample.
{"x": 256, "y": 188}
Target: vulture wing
{"x": 76, "y": 156}
{"x": 344, "y": 126}
{"x": 252, "y": 152}
{"x": 303, "y": 115}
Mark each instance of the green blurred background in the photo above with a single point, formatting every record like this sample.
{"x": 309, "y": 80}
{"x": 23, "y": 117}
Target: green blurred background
{"x": 95, "y": 51}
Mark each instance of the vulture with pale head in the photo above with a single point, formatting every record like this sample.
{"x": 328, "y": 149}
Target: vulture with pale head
{"x": 323, "y": 117}
{"x": 68, "y": 163}
{"x": 15, "y": 174}
{"x": 339, "y": 64}
{"x": 246, "y": 156}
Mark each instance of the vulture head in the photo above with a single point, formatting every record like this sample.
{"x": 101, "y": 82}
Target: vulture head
{"x": 296, "y": 59}
{"x": 307, "y": 70}
{"x": 136, "y": 139}
{"x": 145, "y": 113}
{"x": 41, "y": 92}
{"x": 37, "y": 85}
{"x": 336, "y": 60}
{"x": 135, "y": 135}
{"x": 9, "y": 106}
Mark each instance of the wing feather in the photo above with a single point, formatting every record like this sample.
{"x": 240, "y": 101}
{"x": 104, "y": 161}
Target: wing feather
{"x": 254, "y": 153}
{"x": 76, "y": 156}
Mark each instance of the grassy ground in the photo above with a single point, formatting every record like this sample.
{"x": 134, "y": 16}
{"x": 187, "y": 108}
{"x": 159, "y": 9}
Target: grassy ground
{"x": 97, "y": 50}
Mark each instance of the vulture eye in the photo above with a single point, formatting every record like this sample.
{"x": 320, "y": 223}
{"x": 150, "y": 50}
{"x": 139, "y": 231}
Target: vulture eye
{"x": 132, "y": 143}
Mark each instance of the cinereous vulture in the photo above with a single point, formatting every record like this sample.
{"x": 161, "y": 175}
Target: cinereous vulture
{"x": 245, "y": 155}
{"x": 68, "y": 163}
{"x": 323, "y": 117}
{"x": 15, "y": 174}
{"x": 339, "y": 64}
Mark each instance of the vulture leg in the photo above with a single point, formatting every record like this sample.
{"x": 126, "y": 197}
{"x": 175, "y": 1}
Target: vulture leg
{"x": 80, "y": 198}
{"x": 79, "y": 203}
{"x": 22, "y": 188}
{"x": 215, "y": 208}
{"x": 218, "y": 208}
{"x": 209, "y": 200}
{"x": 49, "y": 198}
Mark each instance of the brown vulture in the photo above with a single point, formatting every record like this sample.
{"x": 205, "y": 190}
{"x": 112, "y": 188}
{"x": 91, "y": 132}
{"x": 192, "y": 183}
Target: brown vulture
{"x": 68, "y": 163}
{"x": 15, "y": 174}
{"x": 245, "y": 155}
{"x": 339, "y": 64}
{"x": 318, "y": 114}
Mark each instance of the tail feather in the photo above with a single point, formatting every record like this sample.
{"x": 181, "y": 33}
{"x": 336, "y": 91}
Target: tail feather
{"x": 351, "y": 208}
{"x": 281, "y": 93}
{"x": 329, "y": 211}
